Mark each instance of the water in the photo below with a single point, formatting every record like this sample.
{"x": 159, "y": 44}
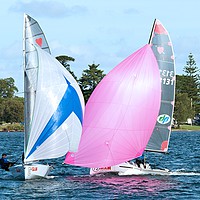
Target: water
{"x": 74, "y": 182}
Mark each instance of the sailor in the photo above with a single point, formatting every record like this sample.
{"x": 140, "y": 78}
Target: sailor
{"x": 4, "y": 163}
{"x": 140, "y": 161}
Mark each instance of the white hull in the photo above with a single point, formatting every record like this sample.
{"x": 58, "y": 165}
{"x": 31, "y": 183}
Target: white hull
{"x": 30, "y": 171}
{"x": 128, "y": 168}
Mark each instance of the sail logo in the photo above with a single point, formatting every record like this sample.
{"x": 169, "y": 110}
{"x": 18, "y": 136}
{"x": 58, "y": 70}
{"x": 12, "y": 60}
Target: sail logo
{"x": 95, "y": 169}
{"x": 163, "y": 119}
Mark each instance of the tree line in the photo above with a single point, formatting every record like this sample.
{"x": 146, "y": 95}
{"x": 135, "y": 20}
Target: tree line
{"x": 187, "y": 99}
{"x": 187, "y": 93}
{"x": 11, "y": 106}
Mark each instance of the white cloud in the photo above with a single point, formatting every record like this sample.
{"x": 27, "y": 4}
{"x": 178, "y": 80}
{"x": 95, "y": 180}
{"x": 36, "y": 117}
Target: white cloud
{"x": 53, "y": 9}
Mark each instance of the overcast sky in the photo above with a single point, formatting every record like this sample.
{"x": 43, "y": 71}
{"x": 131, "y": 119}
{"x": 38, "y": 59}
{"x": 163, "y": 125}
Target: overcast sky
{"x": 97, "y": 31}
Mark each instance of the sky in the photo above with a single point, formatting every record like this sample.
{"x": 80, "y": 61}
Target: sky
{"x": 102, "y": 32}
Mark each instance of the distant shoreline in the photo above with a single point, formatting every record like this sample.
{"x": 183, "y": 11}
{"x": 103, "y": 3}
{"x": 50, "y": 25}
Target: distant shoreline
{"x": 17, "y": 127}
{"x": 185, "y": 127}
{"x": 11, "y": 127}
{"x": 173, "y": 130}
{"x": 10, "y": 131}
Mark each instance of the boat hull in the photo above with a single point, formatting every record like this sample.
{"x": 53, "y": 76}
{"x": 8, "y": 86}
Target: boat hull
{"x": 128, "y": 168}
{"x": 30, "y": 171}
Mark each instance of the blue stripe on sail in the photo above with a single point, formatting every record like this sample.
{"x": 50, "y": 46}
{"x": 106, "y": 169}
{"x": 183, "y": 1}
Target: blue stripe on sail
{"x": 69, "y": 103}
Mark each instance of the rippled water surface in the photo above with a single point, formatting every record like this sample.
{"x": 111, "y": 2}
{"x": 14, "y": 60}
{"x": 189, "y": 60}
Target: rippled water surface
{"x": 74, "y": 182}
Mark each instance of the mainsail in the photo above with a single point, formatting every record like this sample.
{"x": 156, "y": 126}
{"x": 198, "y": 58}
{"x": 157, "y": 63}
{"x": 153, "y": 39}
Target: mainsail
{"x": 121, "y": 113}
{"x": 162, "y": 47}
{"x": 33, "y": 35}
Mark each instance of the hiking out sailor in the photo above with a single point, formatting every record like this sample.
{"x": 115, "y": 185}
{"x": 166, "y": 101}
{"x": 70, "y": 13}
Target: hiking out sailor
{"x": 4, "y": 163}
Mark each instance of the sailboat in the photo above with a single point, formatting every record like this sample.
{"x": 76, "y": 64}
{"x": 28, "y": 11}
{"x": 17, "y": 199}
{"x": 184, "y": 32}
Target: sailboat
{"x": 54, "y": 106}
{"x": 161, "y": 46}
{"x": 107, "y": 138}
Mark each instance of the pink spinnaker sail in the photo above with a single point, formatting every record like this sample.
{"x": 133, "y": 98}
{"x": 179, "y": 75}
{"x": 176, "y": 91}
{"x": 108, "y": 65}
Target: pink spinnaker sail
{"x": 121, "y": 113}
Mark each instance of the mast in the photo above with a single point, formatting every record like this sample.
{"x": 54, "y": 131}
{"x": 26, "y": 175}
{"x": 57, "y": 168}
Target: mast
{"x": 26, "y": 86}
{"x": 152, "y": 30}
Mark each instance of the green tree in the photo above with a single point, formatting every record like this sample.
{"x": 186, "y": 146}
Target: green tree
{"x": 183, "y": 108}
{"x": 191, "y": 82}
{"x": 12, "y": 110}
{"x": 180, "y": 84}
{"x": 7, "y": 88}
{"x": 191, "y": 69}
{"x": 64, "y": 60}
{"x": 89, "y": 80}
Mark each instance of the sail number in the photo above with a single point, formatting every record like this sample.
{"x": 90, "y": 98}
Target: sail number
{"x": 167, "y": 81}
{"x": 34, "y": 169}
{"x": 167, "y": 77}
{"x": 31, "y": 169}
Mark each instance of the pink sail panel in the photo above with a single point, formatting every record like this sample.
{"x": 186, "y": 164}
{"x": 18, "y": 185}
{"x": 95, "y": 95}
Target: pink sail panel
{"x": 159, "y": 28}
{"x": 121, "y": 113}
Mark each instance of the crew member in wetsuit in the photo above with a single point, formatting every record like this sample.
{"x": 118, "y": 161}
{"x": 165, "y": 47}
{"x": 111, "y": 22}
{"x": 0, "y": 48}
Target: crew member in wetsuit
{"x": 4, "y": 163}
{"x": 140, "y": 160}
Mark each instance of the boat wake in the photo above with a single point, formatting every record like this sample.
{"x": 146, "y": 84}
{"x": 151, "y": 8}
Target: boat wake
{"x": 153, "y": 172}
{"x": 50, "y": 177}
{"x": 184, "y": 173}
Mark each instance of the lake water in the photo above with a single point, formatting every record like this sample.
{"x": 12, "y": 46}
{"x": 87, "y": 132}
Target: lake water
{"x": 74, "y": 182}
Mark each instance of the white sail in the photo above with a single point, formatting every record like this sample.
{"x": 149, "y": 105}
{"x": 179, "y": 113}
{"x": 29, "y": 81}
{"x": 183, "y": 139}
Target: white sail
{"x": 58, "y": 111}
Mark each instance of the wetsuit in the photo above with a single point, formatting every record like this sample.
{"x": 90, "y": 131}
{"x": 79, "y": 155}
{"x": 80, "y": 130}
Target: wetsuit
{"x": 140, "y": 160}
{"x": 4, "y": 164}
